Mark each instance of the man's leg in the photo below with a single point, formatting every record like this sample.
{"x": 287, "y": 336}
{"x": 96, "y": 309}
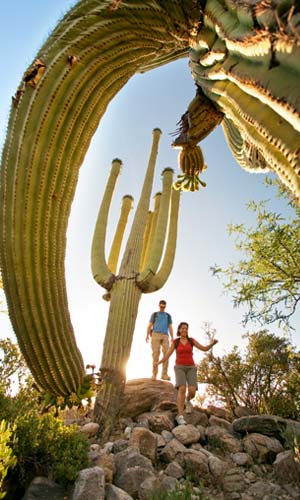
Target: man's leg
{"x": 165, "y": 348}
{"x": 155, "y": 345}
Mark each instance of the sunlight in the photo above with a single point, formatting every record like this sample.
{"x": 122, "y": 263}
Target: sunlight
{"x": 138, "y": 367}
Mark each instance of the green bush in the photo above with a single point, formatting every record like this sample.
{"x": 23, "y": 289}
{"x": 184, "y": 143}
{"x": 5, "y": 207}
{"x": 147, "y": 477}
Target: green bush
{"x": 44, "y": 446}
{"x": 7, "y": 459}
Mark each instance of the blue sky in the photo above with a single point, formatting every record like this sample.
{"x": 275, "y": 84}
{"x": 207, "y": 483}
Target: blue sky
{"x": 155, "y": 99}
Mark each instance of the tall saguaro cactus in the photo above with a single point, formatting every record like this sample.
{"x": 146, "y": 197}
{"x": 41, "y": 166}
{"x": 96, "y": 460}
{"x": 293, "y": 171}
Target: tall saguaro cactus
{"x": 132, "y": 280}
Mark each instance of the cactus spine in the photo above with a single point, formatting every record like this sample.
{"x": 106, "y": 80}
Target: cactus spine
{"x": 126, "y": 288}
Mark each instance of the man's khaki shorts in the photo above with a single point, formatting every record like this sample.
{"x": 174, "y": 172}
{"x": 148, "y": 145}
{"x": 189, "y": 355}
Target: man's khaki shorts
{"x": 186, "y": 375}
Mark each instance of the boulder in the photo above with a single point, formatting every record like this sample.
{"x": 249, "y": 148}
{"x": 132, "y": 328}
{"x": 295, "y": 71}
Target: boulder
{"x": 142, "y": 395}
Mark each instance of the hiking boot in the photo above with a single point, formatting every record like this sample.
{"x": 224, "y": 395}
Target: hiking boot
{"x": 180, "y": 420}
{"x": 153, "y": 377}
{"x": 188, "y": 406}
{"x": 165, "y": 377}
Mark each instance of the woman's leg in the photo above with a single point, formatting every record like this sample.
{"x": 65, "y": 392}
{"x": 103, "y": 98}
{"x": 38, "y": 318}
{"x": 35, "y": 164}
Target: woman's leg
{"x": 192, "y": 387}
{"x": 181, "y": 399}
{"x": 191, "y": 392}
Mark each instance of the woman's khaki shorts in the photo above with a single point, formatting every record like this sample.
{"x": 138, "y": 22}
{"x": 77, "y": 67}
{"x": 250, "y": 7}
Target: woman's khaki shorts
{"x": 186, "y": 375}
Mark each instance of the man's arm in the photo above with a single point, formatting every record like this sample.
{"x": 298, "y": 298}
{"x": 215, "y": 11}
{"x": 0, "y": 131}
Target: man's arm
{"x": 149, "y": 331}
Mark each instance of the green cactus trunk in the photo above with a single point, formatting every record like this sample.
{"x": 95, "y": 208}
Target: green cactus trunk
{"x": 124, "y": 302}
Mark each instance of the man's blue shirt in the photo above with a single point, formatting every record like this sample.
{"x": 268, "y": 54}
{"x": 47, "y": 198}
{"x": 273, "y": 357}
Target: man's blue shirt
{"x": 161, "y": 322}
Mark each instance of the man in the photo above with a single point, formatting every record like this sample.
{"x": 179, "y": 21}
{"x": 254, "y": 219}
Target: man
{"x": 159, "y": 328}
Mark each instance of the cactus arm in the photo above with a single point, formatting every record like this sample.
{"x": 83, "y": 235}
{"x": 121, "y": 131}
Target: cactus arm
{"x": 283, "y": 157}
{"x": 118, "y": 238}
{"x": 255, "y": 81}
{"x": 157, "y": 245}
{"x": 245, "y": 154}
{"x": 146, "y": 238}
{"x": 133, "y": 251}
{"x": 147, "y": 244}
{"x": 100, "y": 270}
{"x": 160, "y": 278}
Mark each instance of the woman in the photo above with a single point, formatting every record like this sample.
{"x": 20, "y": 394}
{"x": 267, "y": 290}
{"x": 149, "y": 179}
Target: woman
{"x": 185, "y": 369}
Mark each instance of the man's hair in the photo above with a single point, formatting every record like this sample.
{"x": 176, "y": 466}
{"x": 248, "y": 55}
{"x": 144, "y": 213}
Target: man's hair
{"x": 162, "y": 302}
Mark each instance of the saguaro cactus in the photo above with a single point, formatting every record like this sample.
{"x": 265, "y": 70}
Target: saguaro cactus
{"x": 132, "y": 280}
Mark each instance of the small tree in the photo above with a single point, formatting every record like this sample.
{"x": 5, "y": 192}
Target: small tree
{"x": 267, "y": 279}
{"x": 266, "y": 378}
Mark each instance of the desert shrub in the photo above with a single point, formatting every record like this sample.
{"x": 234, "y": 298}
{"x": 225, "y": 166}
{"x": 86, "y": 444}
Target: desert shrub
{"x": 7, "y": 459}
{"x": 44, "y": 446}
{"x": 265, "y": 377}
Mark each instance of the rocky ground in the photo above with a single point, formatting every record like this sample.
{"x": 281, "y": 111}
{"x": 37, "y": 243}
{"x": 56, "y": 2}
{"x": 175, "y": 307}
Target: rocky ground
{"x": 247, "y": 457}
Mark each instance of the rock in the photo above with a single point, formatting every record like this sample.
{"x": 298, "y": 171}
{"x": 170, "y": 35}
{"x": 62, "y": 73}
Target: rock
{"x": 197, "y": 417}
{"x": 172, "y": 451}
{"x": 145, "y": 441}
{"x": 262, "y": 489}
{"x": 241, "y": 458}
{"x": 220, "y": 422}
{"x": 218, "y": 412}
{"x": 142, "y": 395}
{"x": 174, "y": 470}
{"x": 90, "y": 485}
{"x": 167, "y": 436}
{"x": 129, "y": 459}
{"x": 233, "y": 481}
{"x": 286, "y": 468}
{"x": 42, "y": 488}
{"x": 262, "y": 449}
{"x": 219, "y": 438}
{"x": 216, "y": 467}
{"x": 112, "y": 492}
{"x": 149, "y": 486}
{"x": 195, "y": 464}
{"x": 106, "y": 462}
{"x": 120, "y": 445}
{"x": 269, "y": 425}
{"x": 90, "y": 429}
{"x": 132, "y": 478}
{"x": 159, "y": 422}
{"x": 186, "y": 434}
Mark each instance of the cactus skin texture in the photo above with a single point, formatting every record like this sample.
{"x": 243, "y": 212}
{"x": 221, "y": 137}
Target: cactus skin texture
{"x": 244, "y": 57}
{"x": 138, "y": 274}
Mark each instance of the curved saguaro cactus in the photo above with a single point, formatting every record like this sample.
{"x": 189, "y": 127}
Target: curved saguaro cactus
{"x": 245, "y": 60}
{"x": 134, "y": 278}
